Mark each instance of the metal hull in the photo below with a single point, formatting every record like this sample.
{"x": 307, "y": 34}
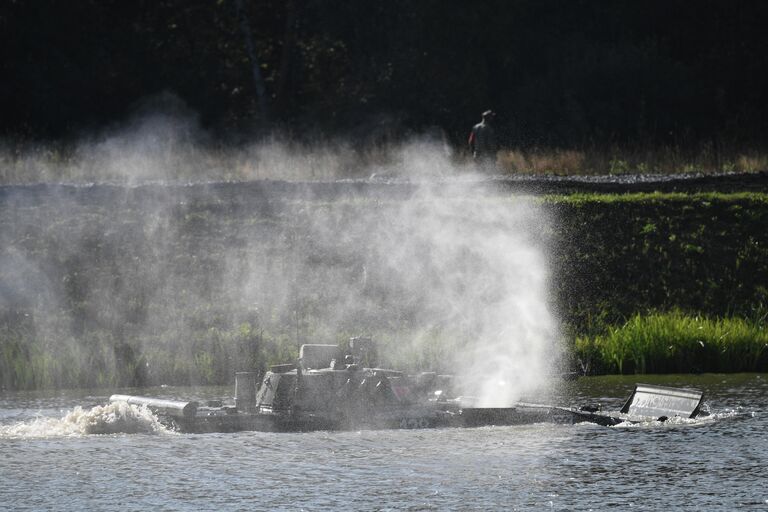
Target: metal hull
{"x": 326, "y": 391}
{"x": 188, "y": 418}
{"x": 229, "y": 420}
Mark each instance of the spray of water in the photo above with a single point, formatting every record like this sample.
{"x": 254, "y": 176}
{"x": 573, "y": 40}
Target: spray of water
{"x": 447, "y": 274}
{"x": 114, "y": 418}
{"x": 485, "y": 271}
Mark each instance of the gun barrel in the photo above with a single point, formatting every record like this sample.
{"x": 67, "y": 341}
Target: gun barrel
{"x": 174, "y": 408}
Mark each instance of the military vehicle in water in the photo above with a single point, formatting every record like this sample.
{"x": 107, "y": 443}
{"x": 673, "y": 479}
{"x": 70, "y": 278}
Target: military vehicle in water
{"x": 330, "y": 390}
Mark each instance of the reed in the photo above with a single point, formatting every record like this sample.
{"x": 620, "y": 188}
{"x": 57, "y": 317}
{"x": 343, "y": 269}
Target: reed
{"x": 657, "y": 160}
{"x": 674, "y": 342}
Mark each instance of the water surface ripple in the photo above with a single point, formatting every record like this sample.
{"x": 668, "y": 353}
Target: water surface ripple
{"x": 715, "y": 464}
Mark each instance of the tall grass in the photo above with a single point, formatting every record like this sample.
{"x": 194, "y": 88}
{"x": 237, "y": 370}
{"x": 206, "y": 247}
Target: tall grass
{"x": 663, "y": 160}
{"x": 677, "y": 343}
{"x": 172, "y": 160}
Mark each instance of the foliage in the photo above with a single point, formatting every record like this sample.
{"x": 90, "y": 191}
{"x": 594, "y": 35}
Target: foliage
{"x": 561, "y": 74}
{"x": 113, "y": 291}
{"x": 616, "y": 255}
{"x": 678, "y": 343}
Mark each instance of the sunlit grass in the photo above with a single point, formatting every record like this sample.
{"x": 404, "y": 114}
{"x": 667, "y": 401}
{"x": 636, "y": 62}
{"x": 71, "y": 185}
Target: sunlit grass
{"x": 656, "y": 197}
{"x": 677, "y": 343}
{"x": 661, "y": 160}
{"x": 168, "y": 159}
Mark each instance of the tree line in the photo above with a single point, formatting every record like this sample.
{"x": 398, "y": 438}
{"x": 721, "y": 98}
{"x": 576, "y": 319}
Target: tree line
{"x": 578, "y": 73}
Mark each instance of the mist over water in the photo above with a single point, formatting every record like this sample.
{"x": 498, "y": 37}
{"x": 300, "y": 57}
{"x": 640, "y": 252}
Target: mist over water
{"x": 179, "y": 281}
{"x": 474, "y": 271}
{"x": 163, "y": 142}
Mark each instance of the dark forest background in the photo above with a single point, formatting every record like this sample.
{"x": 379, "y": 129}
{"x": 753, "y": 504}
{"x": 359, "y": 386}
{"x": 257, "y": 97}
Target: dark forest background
{"x": 559, "y": 73}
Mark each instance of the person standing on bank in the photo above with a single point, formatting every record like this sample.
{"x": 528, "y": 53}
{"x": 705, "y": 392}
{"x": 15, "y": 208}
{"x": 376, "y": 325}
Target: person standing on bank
{"x": 482, "y": 140}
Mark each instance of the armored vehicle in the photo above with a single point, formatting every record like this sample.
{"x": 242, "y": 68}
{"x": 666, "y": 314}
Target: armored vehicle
{"x": 329, "y": 390}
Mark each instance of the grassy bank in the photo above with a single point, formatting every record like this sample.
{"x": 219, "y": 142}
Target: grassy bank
{"x": 618, "y": 255}
{"x": 677, "y": 343}
{"x": 185, "y": 291}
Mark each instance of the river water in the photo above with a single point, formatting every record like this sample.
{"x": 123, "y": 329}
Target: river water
{"x": 50, "y": 459}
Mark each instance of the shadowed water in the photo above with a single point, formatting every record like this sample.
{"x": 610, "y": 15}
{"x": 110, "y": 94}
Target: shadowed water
{"x": 714, "y": 464}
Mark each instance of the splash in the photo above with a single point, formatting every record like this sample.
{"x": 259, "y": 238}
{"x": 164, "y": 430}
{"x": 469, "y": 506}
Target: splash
{"x": 493, "y": 287}
{"x": 699, "y": 421}
{"x": 421, "y": 258}
{"x": 455, "y": 277}
{"x": 114, "y": 418}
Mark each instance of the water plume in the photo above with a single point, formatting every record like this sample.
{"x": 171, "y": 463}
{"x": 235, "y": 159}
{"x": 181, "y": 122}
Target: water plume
{"x": 165, "y": 279}
{"x": 470, "y": 270}
{"x": 113, "y": 418}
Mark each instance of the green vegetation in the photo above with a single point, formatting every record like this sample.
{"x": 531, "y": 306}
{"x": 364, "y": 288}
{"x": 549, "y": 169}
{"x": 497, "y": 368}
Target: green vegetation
{"x": 192, "y": 164}
{"x": 137, "y": 294}
{"x": 618, "y": 255}
{"x": 676, "y": 282}
{"x": 677, "y": 343}
{"x": 115, "y": 287}
{"x": 671, "y": 160}
{"x": 561, "y": 74}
